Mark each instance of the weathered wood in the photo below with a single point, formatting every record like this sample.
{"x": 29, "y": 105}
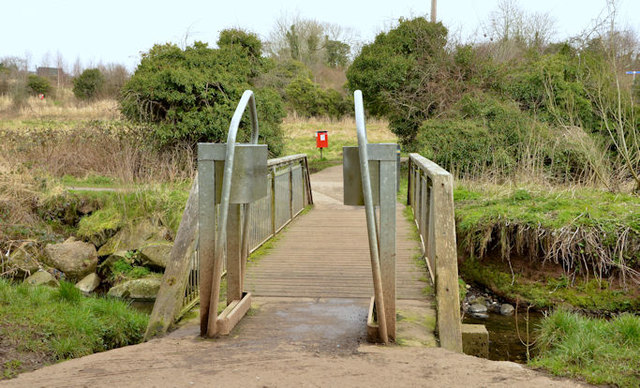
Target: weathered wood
{"x": 387, "y": 241}
{"x": 446, "y": 264}
{"x": 233, "y": 313}
{"x": 171, "y": 293}
{"x": 234, "y": 253}
{"x": 207, "y": 237}
{"x": 434, "y": 211}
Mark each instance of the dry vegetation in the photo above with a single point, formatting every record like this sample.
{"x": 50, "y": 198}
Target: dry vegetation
{"x": 62, "y": 108}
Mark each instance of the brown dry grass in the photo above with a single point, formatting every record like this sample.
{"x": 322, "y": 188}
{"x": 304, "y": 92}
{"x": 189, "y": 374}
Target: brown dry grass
{"x": 66, "y": 107}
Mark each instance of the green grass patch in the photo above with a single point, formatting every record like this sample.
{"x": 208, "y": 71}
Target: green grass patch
{"x": 598, "y": 350}
{"x": 119, "y": 209}
{"x": 91, "y": 180}
{"x": 62, "y": 323}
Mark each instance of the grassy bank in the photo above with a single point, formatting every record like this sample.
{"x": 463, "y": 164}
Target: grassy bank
{"x": 569, "y": 236}
{"x": 42, "y": 325}
{"x": 599, "y": 351}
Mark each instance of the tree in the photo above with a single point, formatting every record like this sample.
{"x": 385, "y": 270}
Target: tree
{"x": 337, "y": 53}
{"x": 310, "y": 42}
{"x": 38, "y": 85}
{"x": 404, "y": 76}
{"x": 88, "y": 84}
{"x": 189, "y": 95}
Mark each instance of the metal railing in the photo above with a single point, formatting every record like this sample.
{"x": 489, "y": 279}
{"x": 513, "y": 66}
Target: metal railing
{"x": 288, "y": 191}
{"x": 430, "y": 196}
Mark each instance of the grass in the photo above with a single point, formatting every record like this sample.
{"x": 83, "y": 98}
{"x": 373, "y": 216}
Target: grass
{"x": 118, "y": 209}
{"x": 61, "y": 323}
{"x": 588, "y": 232}
{"x": 300, "y": 138}
{"x": 598, "y": 350}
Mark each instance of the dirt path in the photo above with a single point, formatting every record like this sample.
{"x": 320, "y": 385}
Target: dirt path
{"x": 293, "y": 341}
{"x": 271, "y": 349}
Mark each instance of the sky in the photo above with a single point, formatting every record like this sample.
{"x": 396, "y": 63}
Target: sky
{"x": 117, "y": 31}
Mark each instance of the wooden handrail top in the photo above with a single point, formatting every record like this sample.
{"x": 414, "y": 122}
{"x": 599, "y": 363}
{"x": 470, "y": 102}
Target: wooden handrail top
{"x": 429, "y": 167}
{"x": 285, "y": 160}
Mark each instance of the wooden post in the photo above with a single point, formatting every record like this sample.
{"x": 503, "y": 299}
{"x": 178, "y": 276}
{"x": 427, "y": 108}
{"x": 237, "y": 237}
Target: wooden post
{"x": 234, "y": 253}
{"x": 387, "y": 241}
{"x": 446, "y": 263}
{"x": 291, "y": 191}
{"x": 207, "y": 234}
{"x": 273, "y": 201}
{"x": 170, "y": 296}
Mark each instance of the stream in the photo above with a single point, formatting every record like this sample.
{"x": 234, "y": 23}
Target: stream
{"x": 504, "y": 344}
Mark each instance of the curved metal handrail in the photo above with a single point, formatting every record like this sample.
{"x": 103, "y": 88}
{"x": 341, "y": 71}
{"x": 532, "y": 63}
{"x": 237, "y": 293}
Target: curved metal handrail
{"x": 223, "y": 216}
{"x": 247, "y": 98}
{"x": 371, "y": 215}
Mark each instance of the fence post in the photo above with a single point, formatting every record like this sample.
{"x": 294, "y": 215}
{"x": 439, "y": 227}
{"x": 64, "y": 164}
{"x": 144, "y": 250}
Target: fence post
{"x": 273, "y": 201}
{"x": 171, "y": 293}
{"x": 446, "y": 263}
{"x": 290, "y": 192}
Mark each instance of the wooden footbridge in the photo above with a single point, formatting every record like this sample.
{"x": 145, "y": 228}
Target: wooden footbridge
{"x": 326, "y": 247}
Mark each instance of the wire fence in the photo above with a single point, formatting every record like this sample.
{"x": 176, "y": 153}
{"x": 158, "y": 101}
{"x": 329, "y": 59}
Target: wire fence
{"x": 288, "y": 193}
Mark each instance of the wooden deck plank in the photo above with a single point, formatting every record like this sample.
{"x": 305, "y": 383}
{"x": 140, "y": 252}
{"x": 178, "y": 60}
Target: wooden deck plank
{"x": 325, "y": 253}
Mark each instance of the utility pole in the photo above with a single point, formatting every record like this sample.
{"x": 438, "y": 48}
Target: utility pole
{"x": 433, "y": 10}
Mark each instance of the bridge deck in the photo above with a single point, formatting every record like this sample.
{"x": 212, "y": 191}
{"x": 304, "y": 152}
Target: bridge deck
{"x": 325, "y": 253}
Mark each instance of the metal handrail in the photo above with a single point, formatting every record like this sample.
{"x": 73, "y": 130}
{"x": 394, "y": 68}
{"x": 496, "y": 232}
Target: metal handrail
{"x": 371, "y": 215}
{"x": 223, "y": 215}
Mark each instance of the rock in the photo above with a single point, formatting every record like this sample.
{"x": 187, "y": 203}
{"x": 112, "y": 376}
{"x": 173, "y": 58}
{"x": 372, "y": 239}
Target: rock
{"x": 480, "y": 315}
{"x": 480, "y": 300}
{"x": 76, "y": 259}
{"x": 42, "y": 278}
{"x": 136, "y": 237}
{"x": 476, "y": 308}
{"x": 23, "y": 261}
{"x": 89, "y": 283}
{"x": 506, "y": 309}
{"x": 494, "y": 307}
{"x": 156, "y": 254}
{"x": 140, "y": 289}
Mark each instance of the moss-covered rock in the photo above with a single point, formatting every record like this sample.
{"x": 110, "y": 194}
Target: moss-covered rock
{"x": 42, "y": 278}
{"x": 139, "y": 289}
{"x": 134, "y": 237}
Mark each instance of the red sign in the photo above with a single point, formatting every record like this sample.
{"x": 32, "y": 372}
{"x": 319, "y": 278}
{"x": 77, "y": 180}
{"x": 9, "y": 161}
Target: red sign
{"x": 322, "y": 139}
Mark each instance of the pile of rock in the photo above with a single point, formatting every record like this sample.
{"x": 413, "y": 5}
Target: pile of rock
{"x": 80, "y": 262}
{"x": 480, "y": 304}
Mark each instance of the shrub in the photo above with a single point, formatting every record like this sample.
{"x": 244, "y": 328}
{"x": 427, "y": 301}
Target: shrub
{"x": 189, "y": 95}
{"x": 308, "y": 99}
{"x": 404, "y": 75}
{"x": 485, "y": 132}
{"x": 87, "y": 85}
{"x": 38, "y": 84}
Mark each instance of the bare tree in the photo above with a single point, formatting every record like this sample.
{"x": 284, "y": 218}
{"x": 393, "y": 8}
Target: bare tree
{"x": 612, "y": 102}
{"x": 512, "y": 30}
{"x": 305, "y": 40}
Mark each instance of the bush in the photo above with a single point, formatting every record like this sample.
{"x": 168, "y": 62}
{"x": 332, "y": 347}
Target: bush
{"x": 404, "y": 75}
{"x": 308, "y": 99}
{"x": 189, "y": 95}
{"x": 485, "y": 132}
{"x": 87, "y": 85}
{"x": 38, "y": 85}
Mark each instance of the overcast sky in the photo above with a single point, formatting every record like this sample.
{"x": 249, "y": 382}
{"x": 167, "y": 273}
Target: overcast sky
{"x": 116, "y": 31}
